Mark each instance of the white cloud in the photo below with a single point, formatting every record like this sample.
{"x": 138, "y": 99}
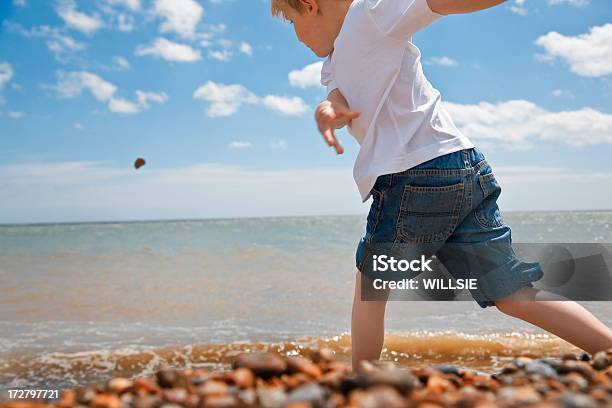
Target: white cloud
{"x": 121, "y": 63}
{"x": 278, "y": 144}
{"x": 307, "y": 77}
{"x": 20, "y": 3}
{"x": 180, "y": 16}
{"x": 170, "y": 51}
{"x": 562, "y": 93}
{"x": 72, "y": 84}
{"x": 575, "y": 3}
{"x": 588, "y": 54}
{"x": 130, "y": 4}
{"x": 15, "y": 114}
{"x": 519, "y": 8}
{"x": 517, "y": 124}
{"x": 246, "y": 49}
{"x": 78, "y": 126}
{"x": 145, "y": 97}
{"x": 443, "y": 61}
{"x": 225, "y": 100}
{"x": 59, "y": 44}
{"x": 78, "y": 20}
{"x": 237, "y": 144}
{"x": 119, "y": 105}
{"x": 292, "y": 106}
{"x": 223, "y": 55}
{"x": 125, "y": 22}
{"x": 6, "y": 73}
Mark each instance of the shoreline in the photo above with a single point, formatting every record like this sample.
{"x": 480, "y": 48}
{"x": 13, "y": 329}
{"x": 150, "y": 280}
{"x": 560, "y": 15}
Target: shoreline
{"x": 270, "y": 380}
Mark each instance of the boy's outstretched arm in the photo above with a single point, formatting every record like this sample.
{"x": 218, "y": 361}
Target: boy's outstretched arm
{"x": 461, "y": 6}
{"x": 333, "y": 113}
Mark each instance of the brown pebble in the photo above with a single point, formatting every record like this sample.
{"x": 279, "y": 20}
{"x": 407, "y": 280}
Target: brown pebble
{"x": 264, "y": 365}
{"x": 380, "y": 396}
{"x": 243, "y": 377}
{"x": 119, "y": 385}
{"x": 105, "y": 401}
{"x": 439, "y": 384}
{"x": 175, "y": 395}
{"x": 147, "y": 401}
{"x": 139, "y": 163}
{"x": 166, "y": 377}
{"x": 213, "y": 387}
{"x": 297, "y": 364}
{"x": 323, "y": 355}
{"x": 220, "y": 401}
{"x": 601, "y": 361}
{"x": 145, "y": 386}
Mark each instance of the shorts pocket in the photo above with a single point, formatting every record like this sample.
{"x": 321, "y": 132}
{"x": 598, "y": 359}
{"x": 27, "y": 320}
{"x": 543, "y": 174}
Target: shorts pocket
{"x": 487, "y": 213}
{"x": 429, "y": 214}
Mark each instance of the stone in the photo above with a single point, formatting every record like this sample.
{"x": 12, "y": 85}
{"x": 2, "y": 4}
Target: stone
{"x": 380, "y": 396}
{"x": 119, "y": 385}
{"x": 601, "y": 361}
{"x": 264, "y": 365}
{"x": 574, "y": 400}
{"x": 519, "y": 395}
{"x": 448, "y": 369}
{"x": 220, "y": 401}
{"x": 299, "y": 364}
{"x": 167, "y": 377}
{"x": 84, "y": 395}
{"x": 105, "y": 401}
{"x": 243, "y": 378}
{"x": 271, "y": 397}
{"x": 312, "y": 393}
{"x": 541, "y": 368}
{"x": 402, "y": 380}
{"x": 323, "y": 355}
{"x": 147, "y": 401}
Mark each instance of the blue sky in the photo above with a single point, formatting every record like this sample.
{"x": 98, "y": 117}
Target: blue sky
{"x": 218, "y": 97}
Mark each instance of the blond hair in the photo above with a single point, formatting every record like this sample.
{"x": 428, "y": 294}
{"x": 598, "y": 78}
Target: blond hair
{"x": 276, "y": 7}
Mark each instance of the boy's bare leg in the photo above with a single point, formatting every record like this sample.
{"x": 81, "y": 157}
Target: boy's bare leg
{"x": 367, "y": 326}
{"x": 562, "y": 317}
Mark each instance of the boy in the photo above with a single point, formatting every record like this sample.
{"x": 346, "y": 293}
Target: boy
{"x": 431, "y": 187}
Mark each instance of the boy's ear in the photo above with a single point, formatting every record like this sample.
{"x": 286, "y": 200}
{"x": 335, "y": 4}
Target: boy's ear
{"x": 310, "y": 6}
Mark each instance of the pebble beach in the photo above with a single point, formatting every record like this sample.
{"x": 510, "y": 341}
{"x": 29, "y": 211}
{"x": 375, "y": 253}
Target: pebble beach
{"x": 270, "y": 380}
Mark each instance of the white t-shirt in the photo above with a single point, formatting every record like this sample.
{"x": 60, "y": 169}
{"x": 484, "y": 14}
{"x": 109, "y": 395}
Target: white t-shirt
{"x": 377, "y": 68}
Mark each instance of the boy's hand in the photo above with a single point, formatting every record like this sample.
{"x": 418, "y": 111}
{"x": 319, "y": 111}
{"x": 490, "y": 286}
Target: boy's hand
{"x": 331, "y": 116}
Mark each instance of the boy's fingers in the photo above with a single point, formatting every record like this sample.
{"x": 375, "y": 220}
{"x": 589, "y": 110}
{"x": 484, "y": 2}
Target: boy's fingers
{"x": 335, "y": 143}
{"x": 332, "y": 141}
{"x": 329, "y": 136}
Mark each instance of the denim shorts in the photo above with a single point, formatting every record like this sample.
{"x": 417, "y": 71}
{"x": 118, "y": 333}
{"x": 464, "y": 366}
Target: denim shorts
{"x": 447, "y": 207}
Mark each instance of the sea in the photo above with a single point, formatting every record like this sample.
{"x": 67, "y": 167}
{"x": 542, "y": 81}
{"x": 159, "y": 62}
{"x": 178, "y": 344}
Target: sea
{"x": 81, "y": 303}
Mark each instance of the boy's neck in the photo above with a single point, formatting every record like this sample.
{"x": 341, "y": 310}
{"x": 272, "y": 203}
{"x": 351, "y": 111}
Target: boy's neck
{"x": 339, "y": 10}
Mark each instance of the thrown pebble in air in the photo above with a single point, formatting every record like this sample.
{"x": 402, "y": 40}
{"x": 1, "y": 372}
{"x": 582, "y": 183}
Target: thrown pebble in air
{"x": 139, "y": 163}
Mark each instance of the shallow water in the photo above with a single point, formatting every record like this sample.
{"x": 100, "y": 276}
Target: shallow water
{"x": 83, "y": 302}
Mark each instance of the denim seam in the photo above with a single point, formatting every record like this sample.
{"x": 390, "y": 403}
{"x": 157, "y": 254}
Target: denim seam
{"x": 378, "y": 215}
{"x": 483, "y": 221}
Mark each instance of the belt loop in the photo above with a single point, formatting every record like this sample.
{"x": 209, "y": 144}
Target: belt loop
{"x": 466, "y": 159}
